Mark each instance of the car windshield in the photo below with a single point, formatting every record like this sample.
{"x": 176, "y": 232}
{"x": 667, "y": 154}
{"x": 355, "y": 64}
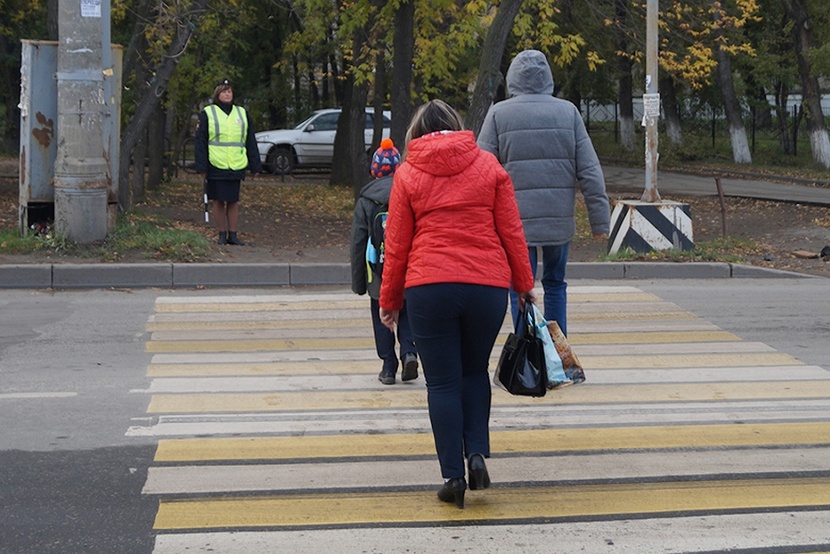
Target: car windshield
{"x": 304, "y": 122}
{"x": 369, "y": 121}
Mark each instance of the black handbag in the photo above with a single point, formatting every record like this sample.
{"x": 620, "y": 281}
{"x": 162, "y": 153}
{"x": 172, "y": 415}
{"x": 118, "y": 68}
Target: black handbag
{"x": 521, "y": 370}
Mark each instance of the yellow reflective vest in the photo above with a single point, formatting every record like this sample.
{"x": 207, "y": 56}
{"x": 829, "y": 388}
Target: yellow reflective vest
{"x": 226, "y": 137}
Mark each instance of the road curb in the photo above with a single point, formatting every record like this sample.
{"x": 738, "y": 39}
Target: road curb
{"x": 161, "y": 275}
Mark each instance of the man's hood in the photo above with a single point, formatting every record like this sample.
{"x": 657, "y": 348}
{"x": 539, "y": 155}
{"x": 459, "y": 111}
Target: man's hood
{"x": 529, "y": 73}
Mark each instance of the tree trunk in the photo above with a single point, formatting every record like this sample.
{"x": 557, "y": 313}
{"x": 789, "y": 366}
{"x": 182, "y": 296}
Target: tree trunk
{"x": 668, "y": 97}
{"x": 9, "y": 96}
{"x": 155, "y": 149}
{"x": 403, "y": 52}
{"x": 138, "y": 40}
{"x": 810, "y": 89}
{"x": 52, "y": 20}
{"x": 731, "y": 105}
{"x": 756, "y": 93}
{"x": 351, "y": 165}
{"x": 627, "y": 134}
{"x": 337, "y": 82}
{"x": 150, "y": 100}
{"x": 135, "y": 190}
{"x": 489, "y": 68}
{"x": 732, "y": 108}
{"x": 782, "y": 114}
{"x": 379, "y": 100}
{"x": 357, "y": 138}
{"x": 624, "y": 79}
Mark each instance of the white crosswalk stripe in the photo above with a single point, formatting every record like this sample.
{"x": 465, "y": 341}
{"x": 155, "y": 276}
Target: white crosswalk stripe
{"x": 273, "y": 430}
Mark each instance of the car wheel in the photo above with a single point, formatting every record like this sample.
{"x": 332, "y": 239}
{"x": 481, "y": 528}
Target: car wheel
{"x": 280, "y": 160}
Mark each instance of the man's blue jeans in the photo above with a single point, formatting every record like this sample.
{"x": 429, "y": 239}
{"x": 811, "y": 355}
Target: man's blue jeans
{"x": 554, "y": 260}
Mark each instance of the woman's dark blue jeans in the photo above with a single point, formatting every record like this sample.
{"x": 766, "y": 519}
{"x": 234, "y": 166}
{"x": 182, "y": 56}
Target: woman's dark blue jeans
{"x": 455, "y": 326}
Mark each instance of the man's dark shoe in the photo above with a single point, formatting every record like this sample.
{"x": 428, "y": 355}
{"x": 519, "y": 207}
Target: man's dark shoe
{"x": 223, "y": 238}
{"x": 233, "y": 239}
{"x": 410, "y": 367}
{"x": 387, "y": 377}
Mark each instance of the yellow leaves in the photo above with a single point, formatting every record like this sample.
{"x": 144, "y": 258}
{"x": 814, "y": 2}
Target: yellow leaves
{"x": 569, "y": 48}
{"x": 594, "y": 60}
{"x": 537, "y": 26}
{"x": 696, "y": 29}
{"x": 696, "y": 65}
{"x": 118, "y": 10}
{"x": 748, "y": 10}
{"x": 476, "y": 7}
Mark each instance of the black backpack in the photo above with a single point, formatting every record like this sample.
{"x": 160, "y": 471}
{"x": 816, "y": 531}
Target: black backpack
{"x": 375, "y": 246}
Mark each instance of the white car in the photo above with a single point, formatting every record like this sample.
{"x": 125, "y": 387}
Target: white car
{"x": 311, "y": 143}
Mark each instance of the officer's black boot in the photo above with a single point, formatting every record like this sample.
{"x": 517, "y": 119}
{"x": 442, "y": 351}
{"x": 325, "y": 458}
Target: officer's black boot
{"x": 233, "y": 239}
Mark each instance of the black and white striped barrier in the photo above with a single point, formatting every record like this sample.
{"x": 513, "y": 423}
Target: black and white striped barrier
{"x": 646, "y": 226}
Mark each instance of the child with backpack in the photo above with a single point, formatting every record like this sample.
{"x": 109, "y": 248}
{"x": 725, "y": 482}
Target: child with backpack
{"x": 367, "y": 256}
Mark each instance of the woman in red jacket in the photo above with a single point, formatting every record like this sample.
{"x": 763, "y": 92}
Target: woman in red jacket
{"x": 454, "y": 245}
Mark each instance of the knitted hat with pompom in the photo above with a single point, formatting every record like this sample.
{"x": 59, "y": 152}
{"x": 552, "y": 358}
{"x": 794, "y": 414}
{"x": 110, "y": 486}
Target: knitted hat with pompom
{"x": 386, "y": 159}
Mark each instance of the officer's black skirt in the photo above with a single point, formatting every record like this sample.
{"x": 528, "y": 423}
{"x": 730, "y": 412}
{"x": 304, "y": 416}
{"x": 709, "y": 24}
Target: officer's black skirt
{"x": 223, "y": 190}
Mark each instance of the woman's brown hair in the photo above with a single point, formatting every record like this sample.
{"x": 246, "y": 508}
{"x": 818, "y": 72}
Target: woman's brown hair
{"x": 435, "y": 115}
{"x": 221, "y": 87}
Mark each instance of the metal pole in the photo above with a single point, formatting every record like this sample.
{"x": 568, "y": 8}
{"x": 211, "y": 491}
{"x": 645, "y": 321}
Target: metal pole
{"x": 80, "y": 167}
{"x": 207, "y": 202}
{"x": 722, "y": 207}
{"x": 651, "y": 104}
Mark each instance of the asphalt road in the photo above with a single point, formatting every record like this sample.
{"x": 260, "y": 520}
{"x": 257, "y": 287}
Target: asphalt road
{"x": 84, "y": 419}
{"x": 71, "y": 481}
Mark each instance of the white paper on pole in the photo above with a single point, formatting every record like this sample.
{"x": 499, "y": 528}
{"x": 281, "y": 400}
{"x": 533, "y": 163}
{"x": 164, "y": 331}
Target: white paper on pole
{"x": 90, "y": 8}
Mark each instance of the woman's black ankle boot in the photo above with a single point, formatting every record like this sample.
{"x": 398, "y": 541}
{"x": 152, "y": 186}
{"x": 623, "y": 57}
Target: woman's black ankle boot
{"x": 233, "y": 239}
{"x": 453, "y": 491}
{"x": 477, "y": 472}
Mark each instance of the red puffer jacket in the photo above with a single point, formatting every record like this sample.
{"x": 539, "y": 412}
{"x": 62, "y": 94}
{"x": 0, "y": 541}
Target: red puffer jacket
{"x": 452, "y": 219}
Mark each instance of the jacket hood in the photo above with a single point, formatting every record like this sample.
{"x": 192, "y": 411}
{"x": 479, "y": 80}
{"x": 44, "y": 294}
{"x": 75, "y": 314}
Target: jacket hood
{"x": 443, "y": 153}
{"x": 377, "y": 190}
{"x": 529, "y": 73}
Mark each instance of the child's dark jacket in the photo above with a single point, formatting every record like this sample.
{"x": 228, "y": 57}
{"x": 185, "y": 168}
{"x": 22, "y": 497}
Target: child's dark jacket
{"x": 375, "y": 193}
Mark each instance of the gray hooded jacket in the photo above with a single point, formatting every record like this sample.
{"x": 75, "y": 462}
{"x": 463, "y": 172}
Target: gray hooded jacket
{"x": 542, "y": 143}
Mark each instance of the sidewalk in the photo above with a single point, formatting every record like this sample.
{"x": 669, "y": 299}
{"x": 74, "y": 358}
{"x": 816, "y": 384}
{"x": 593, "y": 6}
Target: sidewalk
{"x": 668, "y": 183}
{"x": 618, "y": 179}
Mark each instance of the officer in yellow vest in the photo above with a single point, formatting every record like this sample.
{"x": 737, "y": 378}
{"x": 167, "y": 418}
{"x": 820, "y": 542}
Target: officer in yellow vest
{"x": 225, "y": 148}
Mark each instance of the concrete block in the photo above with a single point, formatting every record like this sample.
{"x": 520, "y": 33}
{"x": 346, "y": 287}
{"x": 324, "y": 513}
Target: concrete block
{"x": 742, "y": 271}
{"x": 646, "y": 226}
{"x": 594, "y": 270}
{"x": 677, "y": 270}
{"x": 25, "y": 276}
{"x": 321, "y": 274}
{"x": 66, "y": 276}
{"x": 230, "y": 275}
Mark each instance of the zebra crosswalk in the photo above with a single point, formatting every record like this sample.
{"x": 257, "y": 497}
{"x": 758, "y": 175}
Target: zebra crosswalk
{"x": 274, "y": 435}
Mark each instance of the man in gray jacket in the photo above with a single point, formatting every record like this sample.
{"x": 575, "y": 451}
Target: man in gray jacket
{"x": 542, "y": 143}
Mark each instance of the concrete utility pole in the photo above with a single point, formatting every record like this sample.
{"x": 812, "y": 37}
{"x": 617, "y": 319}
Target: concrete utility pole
{"x": 80, "y": 167}
{"x": 651, "y": 104}
{"x": 650, "y": 223}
